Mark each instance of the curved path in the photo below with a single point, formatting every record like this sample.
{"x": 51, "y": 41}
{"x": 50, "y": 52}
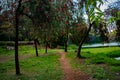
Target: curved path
{"x": 69, "y": 73}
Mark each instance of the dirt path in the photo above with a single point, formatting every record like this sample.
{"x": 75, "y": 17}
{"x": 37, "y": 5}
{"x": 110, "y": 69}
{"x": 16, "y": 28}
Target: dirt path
{"x": 69, "y": 73}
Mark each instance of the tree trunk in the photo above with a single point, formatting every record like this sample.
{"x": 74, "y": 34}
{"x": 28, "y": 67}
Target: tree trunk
{"x": 36, "y": 49}
{"x": 16, "y": 37}
{"x": 66, "y": 41}
{"x": 65, "y": 46}
{"x": 82, "y": 41}
{"x": 16, "y": 48}
{"x": 46, "y": 47}
{"x": 79, "y": 51}
{"x": 46, "y": 43}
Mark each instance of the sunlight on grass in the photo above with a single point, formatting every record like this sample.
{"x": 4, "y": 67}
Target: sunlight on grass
{"x": 101, "y": 50}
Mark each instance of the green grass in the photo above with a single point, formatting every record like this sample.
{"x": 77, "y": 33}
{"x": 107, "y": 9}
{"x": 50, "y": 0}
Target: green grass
{"x": 23, "y": 50}
{"x": 45, "y": 67}
{"x": 101, "y": 50}
{"x": 4, "y": 51}
{"x": 72, "y": 46}
{"x": 98, "y": 62}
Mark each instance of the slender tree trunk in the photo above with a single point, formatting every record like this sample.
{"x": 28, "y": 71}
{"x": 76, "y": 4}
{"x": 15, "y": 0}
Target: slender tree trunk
{"x": 46, "y": 43}
{"x": 82, "y": 41}
{"x": 36, "y": 49}
{"x": 66, "y": 41}
{"x": 16, "y": 48}
{"x": 16, "y": 37}
{"x": 46, "y": 47}
{"x": 65, "y": 46}
{"x": 79, "y": 51}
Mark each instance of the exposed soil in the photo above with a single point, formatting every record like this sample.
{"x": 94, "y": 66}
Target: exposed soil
{"x": 5, "y": 58}
{"x": 69, "y": 72}
{"x": 21, "y": 57}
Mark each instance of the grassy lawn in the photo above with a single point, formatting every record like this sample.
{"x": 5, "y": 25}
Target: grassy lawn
{"x": 44, "y": 67}
{"x": 98, "y": 62}
{"x": 23, "y": 50}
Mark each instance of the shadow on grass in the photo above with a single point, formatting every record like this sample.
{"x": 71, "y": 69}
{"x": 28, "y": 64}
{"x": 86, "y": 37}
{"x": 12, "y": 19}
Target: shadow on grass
{"x": 102, "y": 58}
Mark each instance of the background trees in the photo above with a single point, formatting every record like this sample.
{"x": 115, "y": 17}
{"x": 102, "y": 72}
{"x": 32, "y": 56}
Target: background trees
{"x": 113, "y": 17}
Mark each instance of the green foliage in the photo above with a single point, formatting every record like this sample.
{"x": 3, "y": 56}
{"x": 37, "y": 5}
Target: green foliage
{"x": 111, "y": 19}
{"x": 118, "y": 13}
{"x": 91, "y": 6}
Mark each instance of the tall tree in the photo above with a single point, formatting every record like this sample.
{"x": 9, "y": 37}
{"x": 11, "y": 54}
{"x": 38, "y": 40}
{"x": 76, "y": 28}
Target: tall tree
{"x": 93, "y": 17}
{"x": 17, "y": 14}
{"x": 65, "y": 14}
{"x": 41, "y": 15}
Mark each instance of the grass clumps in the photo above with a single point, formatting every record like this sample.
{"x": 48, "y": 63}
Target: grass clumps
{"x": 100, "y": 63}
{"x": 39, "y": 68}
{"x": 44, "y": 67}
{"x": 114, "y": 54}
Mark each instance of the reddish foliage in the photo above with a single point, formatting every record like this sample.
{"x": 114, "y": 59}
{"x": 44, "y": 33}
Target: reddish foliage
{"x": 14, "y": 4}
{"x": 114, "y": 11}
{"x": 59, "y": 18}
{"x": 58, "y": 9}
{"x": 78, "y": 29}
{"x": 27, "y": 1}
{"x": 51, "y": 0}
{"x": 27, "y": 10}
{"x": 1, "y": 18}
{"x": 11, "y": 11}
{"x": 67, "y": 22}
{"x": 65, "y": 6}
{"x": 62, "y": 32}
{"x": 67, "y": 13}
